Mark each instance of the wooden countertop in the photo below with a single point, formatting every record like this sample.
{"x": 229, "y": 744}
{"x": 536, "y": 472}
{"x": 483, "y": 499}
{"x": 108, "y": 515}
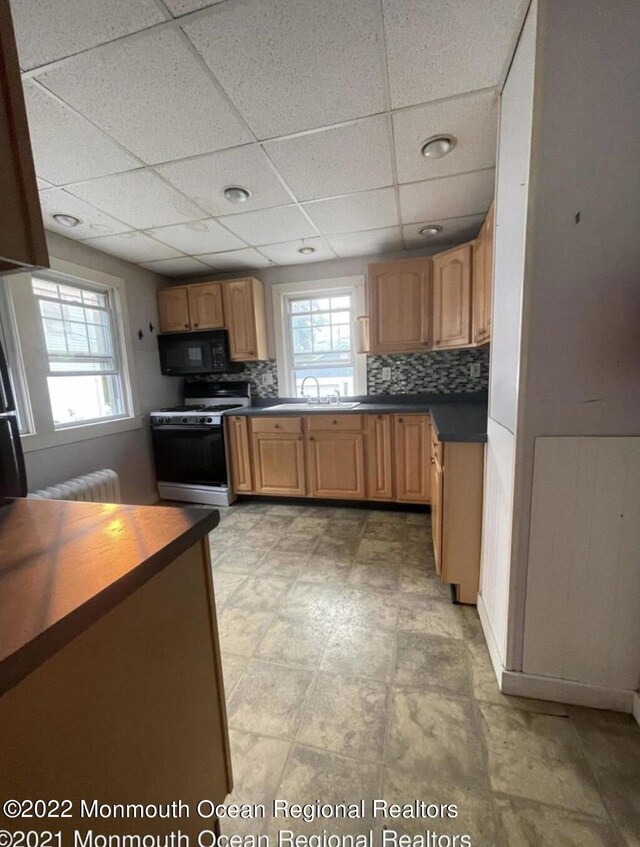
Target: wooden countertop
{"x": 63, "y": 565}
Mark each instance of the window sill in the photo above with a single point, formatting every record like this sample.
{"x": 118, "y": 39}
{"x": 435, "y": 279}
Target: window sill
{"x": 38, "y": 441}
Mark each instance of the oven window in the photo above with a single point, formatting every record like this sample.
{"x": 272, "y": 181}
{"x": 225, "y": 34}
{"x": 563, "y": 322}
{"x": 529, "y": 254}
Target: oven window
{"x": 190, "y": 454}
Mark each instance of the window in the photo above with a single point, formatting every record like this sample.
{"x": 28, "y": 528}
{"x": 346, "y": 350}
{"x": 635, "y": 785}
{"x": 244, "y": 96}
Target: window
{"x": 83, "y": 371}
{"x": 321, "y": 343}
{"x": 314, "y": 330}
{"x": 15, "y": 365}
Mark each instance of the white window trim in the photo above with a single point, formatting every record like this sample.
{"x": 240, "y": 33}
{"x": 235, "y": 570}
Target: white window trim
{"x": 356, "y": 284}
{"x": 31, "y": 343}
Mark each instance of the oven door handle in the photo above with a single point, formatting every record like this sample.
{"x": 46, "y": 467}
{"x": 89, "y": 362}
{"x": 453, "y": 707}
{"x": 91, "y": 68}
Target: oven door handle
{"x": 186, "y": 427}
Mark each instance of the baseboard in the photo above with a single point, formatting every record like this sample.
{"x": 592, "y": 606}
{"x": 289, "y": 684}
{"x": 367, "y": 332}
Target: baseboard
{"x": 550, "y": 688}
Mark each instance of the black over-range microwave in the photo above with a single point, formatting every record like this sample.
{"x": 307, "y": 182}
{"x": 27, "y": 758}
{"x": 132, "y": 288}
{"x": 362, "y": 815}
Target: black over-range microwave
{"x": 205, "y": 352}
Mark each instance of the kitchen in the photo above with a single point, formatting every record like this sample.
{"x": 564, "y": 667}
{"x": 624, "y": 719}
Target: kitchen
{"x": 412, "y": 267}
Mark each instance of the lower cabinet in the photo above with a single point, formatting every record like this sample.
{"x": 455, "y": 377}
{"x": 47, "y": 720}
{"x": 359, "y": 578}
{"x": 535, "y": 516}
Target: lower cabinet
{"x": 335, "y": 461}
{"x": 240, "y": 454}
{"x": 412, "y": 434}
{"x": 457, "y": 471}
{"x": 278, "y": 456}
{"x": 379, "y": 456}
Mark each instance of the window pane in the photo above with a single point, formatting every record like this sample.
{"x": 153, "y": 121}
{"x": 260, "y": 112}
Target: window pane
{"x": 84, "y": 398}
{"x": 61, "y": 365}
{"x": 341, "y": 338}
{"x": 300, "y": 305}
{"x": 321, "y": 320}
{"x": 299, "y": 321}
{"x": 321, "y": 339}
{"x": 330, "y": 358}
{"x": 302, "y": 340}
{"x": 330, "y": 380}
{"x": 340, "y": 317}
{"x": 321, "y": 305}
{"x": 343, "y": 302}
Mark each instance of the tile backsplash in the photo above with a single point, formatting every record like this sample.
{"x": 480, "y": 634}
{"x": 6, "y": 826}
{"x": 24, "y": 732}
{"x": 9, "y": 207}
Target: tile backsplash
{"x": 439, "y": 371}
{"x": 442, "y": 371}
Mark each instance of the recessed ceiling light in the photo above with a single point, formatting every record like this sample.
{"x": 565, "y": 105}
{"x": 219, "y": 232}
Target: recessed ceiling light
{"x": 432, "y": 229}
{"x": 66, "y": 220}
{"x": 438, "y": 146}
{"x": 235, "y": 194}
{"x": 306, "y": 249}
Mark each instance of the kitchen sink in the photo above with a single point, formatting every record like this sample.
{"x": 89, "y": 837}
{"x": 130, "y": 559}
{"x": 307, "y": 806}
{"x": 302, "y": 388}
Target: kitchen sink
{"x": 312, "y": 407}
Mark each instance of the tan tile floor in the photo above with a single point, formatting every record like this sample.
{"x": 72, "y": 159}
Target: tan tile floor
{"x": 349, "y": 675}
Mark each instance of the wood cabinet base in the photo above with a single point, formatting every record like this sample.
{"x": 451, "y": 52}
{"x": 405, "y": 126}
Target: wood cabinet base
{"x": 131, "y": 711}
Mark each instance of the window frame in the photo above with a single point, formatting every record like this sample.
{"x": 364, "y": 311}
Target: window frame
{"x": 30, "y": 341}
{"x": 282, "y": 293}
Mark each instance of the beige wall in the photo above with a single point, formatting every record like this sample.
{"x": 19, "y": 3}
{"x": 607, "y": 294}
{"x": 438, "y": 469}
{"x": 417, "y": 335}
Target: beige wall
{"x": 128, "y": 453}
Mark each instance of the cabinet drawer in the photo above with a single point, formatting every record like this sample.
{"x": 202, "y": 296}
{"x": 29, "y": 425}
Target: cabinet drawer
{"x": 336, "y": 423}
{"x": 276, "y": 425}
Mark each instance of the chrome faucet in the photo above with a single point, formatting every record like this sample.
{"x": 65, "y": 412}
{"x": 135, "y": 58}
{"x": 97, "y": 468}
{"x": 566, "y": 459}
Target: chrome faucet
{"x": 317, "y": 387}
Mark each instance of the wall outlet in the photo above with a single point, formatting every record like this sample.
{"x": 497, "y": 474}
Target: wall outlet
{"x": 474, "y": 370}
{"x": 386, "y": 374}
{"x": 267, "y": 379}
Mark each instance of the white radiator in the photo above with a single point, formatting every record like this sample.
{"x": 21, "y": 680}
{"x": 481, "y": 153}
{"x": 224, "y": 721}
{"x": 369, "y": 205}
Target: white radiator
{"x": 98, "y": 487}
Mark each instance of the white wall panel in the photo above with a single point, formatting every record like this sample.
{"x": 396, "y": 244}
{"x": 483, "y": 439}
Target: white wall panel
{"x": 582, "y": 620}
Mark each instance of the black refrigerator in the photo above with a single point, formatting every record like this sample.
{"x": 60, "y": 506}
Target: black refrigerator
{"x": 13, "y": 477}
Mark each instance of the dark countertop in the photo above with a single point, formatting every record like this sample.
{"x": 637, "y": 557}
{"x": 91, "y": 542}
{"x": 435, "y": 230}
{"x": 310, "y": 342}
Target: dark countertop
{"x": 455, "y": 417}
{"x": 63, "y": 565}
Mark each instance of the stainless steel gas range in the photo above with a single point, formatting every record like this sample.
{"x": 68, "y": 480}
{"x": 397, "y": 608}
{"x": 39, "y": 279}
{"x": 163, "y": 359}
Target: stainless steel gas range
{"x": 189, "y": 445}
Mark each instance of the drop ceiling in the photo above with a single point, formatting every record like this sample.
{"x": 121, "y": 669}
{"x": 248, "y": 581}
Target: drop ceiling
{"x": 143, "y": 111}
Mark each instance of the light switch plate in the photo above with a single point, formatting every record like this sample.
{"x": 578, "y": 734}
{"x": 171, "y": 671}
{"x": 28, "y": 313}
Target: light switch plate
{"x": 474, "y": 370}
{"x": 267, "y": 379}
{"x": 386, "y": 374}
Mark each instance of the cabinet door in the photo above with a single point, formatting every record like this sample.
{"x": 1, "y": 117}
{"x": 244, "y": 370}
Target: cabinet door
{"x": 278, "y": 464}
{"x": 379, "y": 454}
{"x": 239, "y": 454}
{"x": 336, "y": 465}
{"x": 479, "y": 248}
{"x": 22, "y": 239}
{"x": 173, "y": 309}
{"x": 205, "y": 305}
{"x": 412, "y": 458}
{"x": 245, "y": 319}
{"x": 452, "y": 298}
{"x": 437, "y": 481}
{"x": 489, "y": 233}
{"x": 398, "y": 294}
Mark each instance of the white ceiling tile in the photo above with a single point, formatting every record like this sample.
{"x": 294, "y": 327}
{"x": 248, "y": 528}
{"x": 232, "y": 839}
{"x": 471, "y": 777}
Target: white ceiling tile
{"x": 236, "y": 260}
{"x": 449, "y": 197}
{"x": 472, "y": 120}
{"x": 177, "y": 267}
{"x": 454, "y": 231}
{"x": 342, "y": 160}
{"x": 205, "y": 178}
{"x": 287, "y": 253}
{"x": 309, "y": 63}
{"x": 437, "y": 49}
{"x": 172, "y": 108}
{"x": 367, "y": 210}
{"x": 270, "y": 226}
{"x": 139, "y": 198}
{"x": 66, "y": 147}
{"x": 183, "y": 7}
{"x": 365, "y": 243}
{"x": 50, "y": 29}
{"x": 93, "y": 222}
{"x": 206, "y": 236}
{"x": 42, "y": 183}
{"x": 133, "y": 246}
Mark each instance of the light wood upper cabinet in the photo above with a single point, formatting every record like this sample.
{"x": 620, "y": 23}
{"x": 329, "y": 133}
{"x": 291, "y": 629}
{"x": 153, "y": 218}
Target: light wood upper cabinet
{"x": 205, "y": 305}
{"x": 244, "y": 311}
{"x": 379, "y": 455}
{"x": 483, "y": 281}
{"x": 335, "y": 461}
{"x": 278, "y": 456}
{"x": 173, "y": 309}
{"x": 411, "y": 437}
{"x": 398, "y": 295}
{"x": 452, "y": 298}
{"x": 240, "y": 454}
{"x": 22, "y": 238}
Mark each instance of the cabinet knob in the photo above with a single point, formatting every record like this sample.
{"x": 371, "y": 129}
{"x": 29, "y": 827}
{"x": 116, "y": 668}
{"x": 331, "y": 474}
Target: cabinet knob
{"x": 186, "y": 326}
{"x": 334, "y": 422}
{"x": 311, "y": 438}
{"x": 437, "y": 341}
{"x": 379, "y": 417}
{"x": 400, "y": 420}
{"x": 196, "y": 324}
{"x": 276, "y": 426}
